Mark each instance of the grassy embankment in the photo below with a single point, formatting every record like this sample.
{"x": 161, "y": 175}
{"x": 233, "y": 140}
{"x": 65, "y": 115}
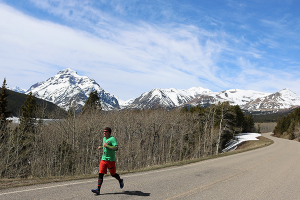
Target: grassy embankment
{"x": 246, "y": 146}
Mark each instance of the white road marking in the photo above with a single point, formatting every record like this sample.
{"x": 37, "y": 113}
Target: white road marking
{"x": 44, "y": 187}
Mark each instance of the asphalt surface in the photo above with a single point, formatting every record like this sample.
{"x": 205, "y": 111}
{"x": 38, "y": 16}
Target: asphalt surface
{"x": 272, "y": 172}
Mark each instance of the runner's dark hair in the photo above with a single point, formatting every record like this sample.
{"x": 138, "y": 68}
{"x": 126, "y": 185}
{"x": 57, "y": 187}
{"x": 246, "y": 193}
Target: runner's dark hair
{"x": 108, "y": 129}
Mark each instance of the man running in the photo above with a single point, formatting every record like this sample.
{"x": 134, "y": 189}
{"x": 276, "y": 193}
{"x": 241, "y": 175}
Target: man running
{"x": 108, "y": 160}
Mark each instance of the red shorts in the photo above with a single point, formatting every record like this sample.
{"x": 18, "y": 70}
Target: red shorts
{"x": 111, "y": 165}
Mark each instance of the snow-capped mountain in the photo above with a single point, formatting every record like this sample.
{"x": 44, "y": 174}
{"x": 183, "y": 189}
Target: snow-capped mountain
{"x": 239, "y": 97}
{"x": 18, "y": 89}
{"x": 246, "y": 99}
{"x": 167, "y": 98}
{"x": 284, "y": 99}
{"x": 67, "y": 88}
{"x": 234, "y": 96}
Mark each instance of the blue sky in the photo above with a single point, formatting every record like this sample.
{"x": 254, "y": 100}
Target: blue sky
{"x": 130, "y": 47}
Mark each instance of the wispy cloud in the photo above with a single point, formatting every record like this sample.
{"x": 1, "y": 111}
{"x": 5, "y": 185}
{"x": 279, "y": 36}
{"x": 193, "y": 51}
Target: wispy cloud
{"x": 128, "y": 55}
{"x": 147, "y": 50}
{"x": 265, "y": 78}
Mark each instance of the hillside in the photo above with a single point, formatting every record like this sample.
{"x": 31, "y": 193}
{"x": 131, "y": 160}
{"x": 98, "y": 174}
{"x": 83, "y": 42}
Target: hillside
{"x": 268, "y": 116}
{"x": 16, "y": 100}
{"x": 289, "y": 126}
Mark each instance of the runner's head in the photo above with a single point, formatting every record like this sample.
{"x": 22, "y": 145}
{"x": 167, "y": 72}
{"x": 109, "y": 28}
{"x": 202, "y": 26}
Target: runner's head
{"x": 107, "y": 132}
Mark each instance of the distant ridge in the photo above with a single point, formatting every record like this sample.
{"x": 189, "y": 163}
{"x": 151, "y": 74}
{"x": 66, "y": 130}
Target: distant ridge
{"x": 16, "y": 100}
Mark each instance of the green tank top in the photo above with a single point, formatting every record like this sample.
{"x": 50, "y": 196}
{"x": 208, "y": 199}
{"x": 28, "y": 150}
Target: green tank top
{"x": 109, "y": 154}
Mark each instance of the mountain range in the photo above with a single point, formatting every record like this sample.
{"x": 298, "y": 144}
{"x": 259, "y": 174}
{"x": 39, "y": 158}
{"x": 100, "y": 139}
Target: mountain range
{"x": 67, "y": 89}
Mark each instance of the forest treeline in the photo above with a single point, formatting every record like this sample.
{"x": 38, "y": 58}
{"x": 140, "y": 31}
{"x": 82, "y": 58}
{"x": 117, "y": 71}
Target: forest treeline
{"x": 289, "y": 125}
{"x": 268, "y": 117}
{"x": 69, "y": 146}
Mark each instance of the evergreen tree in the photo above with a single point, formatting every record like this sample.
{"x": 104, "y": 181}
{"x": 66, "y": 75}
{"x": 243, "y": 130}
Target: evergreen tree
{"x": 3, "y": 106}
{"x": 192, "y": 109}
{"x": 185, "y": 109}
{"x": 239, "y": 118}
{"x": 4, "y": 130}
{"x": 25, "y": 135}
{"x": 249, "y": 123}
{"x": 28, "y": 114}
{"x": 92, "y": 103}
{"x": 287, "y": 124}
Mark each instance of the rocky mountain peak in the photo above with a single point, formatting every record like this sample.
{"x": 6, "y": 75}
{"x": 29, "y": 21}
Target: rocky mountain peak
{"x": 67, "y": 87}
{"x": 18, "y": 89}
{"x": 167, "y": 98}
{"x": 288, "y": 92}
{"x": 67, "y": 71}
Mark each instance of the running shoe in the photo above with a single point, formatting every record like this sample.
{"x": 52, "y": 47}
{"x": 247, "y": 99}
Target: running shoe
{"x": 96, "y": 191}
{"x": 121, "y": 183}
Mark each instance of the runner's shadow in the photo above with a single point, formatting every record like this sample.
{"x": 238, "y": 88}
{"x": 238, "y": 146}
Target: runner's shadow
{"x": 133, "y": 193}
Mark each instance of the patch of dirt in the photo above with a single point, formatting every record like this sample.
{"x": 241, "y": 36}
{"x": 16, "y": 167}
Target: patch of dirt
{"x": 244, "y": 145}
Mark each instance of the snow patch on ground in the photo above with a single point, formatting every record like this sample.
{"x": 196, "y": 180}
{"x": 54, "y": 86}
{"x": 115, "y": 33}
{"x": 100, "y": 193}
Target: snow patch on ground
{"x": 239, "y": 138}
{"x": 16, "y": 120}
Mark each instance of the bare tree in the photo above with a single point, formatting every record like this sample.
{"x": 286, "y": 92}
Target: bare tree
{"x": 297, "y": 131}
{"x": 224, "y": 113}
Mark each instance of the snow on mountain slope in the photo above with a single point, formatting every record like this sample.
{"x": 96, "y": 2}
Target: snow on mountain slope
{"x": 167, "y": 98}
{"x": 234, "y": 96}
{"x": 247, "y": 99}
{"x": 284, "y": 99}
{"x": 240, "y": 97}
{"x": 67, "y": 87}
{"x": 125, "y": 103}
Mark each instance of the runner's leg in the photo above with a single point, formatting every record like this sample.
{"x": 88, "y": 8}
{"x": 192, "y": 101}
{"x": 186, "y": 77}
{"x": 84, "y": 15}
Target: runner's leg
{"x": 100, "y": 180}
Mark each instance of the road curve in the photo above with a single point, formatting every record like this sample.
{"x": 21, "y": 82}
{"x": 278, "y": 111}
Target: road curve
{"x": 271, "y": 172}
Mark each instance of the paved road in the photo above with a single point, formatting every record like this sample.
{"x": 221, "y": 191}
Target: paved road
{"x": 267, "y": 173}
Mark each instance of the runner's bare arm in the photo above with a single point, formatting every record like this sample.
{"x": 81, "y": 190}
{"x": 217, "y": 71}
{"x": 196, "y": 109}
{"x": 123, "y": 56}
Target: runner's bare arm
{"x": 114, "y": 148}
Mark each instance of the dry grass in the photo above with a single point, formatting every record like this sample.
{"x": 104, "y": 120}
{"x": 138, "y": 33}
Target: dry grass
{"x": 253, "y": 144}
{"x": 245, "y": 146}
